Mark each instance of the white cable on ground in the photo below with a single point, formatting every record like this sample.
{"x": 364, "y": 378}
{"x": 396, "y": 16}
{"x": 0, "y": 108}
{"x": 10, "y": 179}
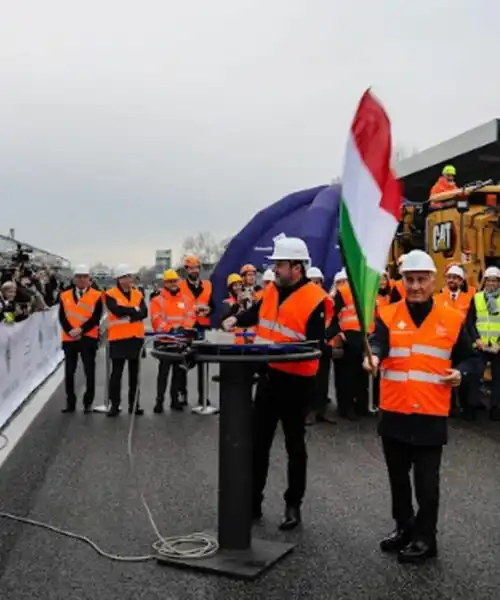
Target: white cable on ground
{"x": 192, "y": 546}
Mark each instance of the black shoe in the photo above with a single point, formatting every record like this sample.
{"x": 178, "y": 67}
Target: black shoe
{"x": 399, "y": 539}
{"x": 68, "y": 409}
{"x": 417, "y": 552}
{"x": 114, "y": 411}
{"x": 158, "y": 409}
{"x": 292, "y": 518}
{"x": 310, "y": 420}
{"x": 138, "y": 411}
{"x": 183, "y": 399}
{"x": 177, "y": 406}
{"x": 87, "y": 409}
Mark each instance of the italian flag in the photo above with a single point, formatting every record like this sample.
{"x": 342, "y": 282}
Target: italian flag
{"x": 370, "y": 205}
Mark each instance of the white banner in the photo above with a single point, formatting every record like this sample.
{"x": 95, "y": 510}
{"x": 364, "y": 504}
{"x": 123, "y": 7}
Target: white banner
{"x": 29, "y": 352}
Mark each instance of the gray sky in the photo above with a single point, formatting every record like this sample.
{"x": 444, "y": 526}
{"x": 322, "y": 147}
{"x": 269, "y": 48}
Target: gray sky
{"x": 126, "y": 126}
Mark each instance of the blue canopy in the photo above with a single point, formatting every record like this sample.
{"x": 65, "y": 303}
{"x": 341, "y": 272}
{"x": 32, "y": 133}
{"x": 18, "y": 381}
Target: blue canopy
{"x": 309, "y": 214}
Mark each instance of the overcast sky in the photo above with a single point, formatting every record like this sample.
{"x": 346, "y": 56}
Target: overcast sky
{"x": 126, "y": 126}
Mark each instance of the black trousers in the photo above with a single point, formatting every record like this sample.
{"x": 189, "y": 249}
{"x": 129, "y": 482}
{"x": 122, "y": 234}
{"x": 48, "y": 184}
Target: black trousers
{"x": 115, "y": 380}
{"x": 320, "y": 402}
{"x": 177, "y": 385}
{"x": 285, "y": 398}
{"x": 476, "y": 395}
{"x": 400, "y": 458}
{"x": 87, "y": 350}
{"x": 351, "y": 382}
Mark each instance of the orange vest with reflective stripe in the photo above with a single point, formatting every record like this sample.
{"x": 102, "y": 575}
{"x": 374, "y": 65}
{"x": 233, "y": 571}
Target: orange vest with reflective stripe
{"x": 122, "y": 328}
{"x": 203, "y": 298}
{"x": 250, "y": 331}
{"x": 287, "y": 322}
{"x": 79, "y": 312}
{"x": 461, "y": 303}
{"x": 348, "y": 319}
{"x": 171, "y": 310}
{"x": 410, "y": 377}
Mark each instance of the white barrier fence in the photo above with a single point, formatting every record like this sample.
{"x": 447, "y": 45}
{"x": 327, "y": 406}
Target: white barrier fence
{"x": 29, "y": 352}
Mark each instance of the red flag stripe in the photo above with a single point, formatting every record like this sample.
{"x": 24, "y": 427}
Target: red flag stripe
{"x": 371, "y": 131}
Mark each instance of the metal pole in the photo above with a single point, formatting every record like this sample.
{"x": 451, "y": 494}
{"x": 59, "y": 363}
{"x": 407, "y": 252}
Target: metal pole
{"x": 103, "y": 408}
{"x": 205, "y": 409}
{"x": 371, "y": 406}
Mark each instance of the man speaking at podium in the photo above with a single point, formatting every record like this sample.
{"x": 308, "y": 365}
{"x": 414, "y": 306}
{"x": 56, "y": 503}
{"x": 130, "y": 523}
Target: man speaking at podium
{"x": 292, "y": 309}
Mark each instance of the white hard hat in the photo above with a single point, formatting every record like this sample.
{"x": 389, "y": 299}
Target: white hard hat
{"x": 81, "y": 270}
{"x": 492, "y": 272}
{"x": 314, "y": 273}
{"x": 290, "y": 248}
{"x": 268, "y": 275}
{"x": 340, "y": 276}
{"x": 456, "y": 270}
{"x": 418, "y": 260}
{"x": 123, "y": 271}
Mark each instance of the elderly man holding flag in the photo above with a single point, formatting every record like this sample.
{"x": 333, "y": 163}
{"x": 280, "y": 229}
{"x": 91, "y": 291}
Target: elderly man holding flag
{"x": 420, "y": 346}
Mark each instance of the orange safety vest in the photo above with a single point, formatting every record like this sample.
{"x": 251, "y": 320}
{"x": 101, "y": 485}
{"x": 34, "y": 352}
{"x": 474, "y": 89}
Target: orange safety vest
{"x": 171, "y": 310}
{"x": 123, "y": 329}
{"x": 462, "y": 303}
{"x": 287, "y": 322}
{"x": 410, "y": 377}
{"x": 250, "y": 331}
{"x": 79, "y": 312}
{"x": 203, "y": 298}
{"x": 400, "y": 286}
{"x": 348, "y": 319}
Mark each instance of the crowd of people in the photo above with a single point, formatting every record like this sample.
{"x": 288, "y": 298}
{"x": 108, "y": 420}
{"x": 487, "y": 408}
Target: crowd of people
{"x": 26, "y": 288}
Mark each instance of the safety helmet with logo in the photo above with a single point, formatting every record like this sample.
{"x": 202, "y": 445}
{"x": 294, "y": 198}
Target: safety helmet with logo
{"x": 247, "y": 269}
{"x": 291, "y": 248}
{"x": 314, "y": 273}
{"x": 340, "y": 276}
{"x": 418, "y": 260}
{"x": 456, "y": 270}
{"x": 81, "y": 270}
{"x": 170, "y": 275}
{"x": 191, "y": 261}
{"x": 268, "y": 275}
{"x": 449, "y": 170}
{"x": 123, "y": 271}
{"x": 233, "y": 278}
{"x": 492, "y": 272}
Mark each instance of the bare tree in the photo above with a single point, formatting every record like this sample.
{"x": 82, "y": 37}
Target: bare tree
{"x": 204, "y": 246}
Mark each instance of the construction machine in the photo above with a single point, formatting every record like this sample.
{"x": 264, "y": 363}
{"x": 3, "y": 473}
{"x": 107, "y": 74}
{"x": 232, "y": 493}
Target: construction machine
{"x": 464, "y": 230}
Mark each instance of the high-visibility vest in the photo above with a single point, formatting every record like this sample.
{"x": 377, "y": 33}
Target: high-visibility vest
{"x": 461, "y": 303}
{"x": 120, "y": 328}
{"x": 171, "y": 310}
{"x": 488, "y": 326}
{"x": 348, "y": 319}
{"x": 410, "y": 377}
{"x": 242, "y": 335}
{"x": 203, "y": 298}
{"x": 287, "y": 322}
{"x": 77, "y": 313}
{"x": 400, "y": 287}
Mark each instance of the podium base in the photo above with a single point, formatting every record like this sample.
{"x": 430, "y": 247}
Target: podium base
{"x": 236, "y": 564}
{"x": 205, "y": 410}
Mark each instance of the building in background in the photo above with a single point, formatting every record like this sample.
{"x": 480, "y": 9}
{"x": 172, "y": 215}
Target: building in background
{"x": 163, "y": 260}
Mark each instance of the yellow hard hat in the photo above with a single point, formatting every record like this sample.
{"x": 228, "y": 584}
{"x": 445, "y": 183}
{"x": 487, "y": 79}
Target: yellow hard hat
{"x": 233, "y": 278}
{"x": 170, "y": 275}
{"x": 449, "y": 170}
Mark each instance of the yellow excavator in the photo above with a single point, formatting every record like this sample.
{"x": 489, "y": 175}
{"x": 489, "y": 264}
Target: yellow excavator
{"x": 464, "y": 230}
